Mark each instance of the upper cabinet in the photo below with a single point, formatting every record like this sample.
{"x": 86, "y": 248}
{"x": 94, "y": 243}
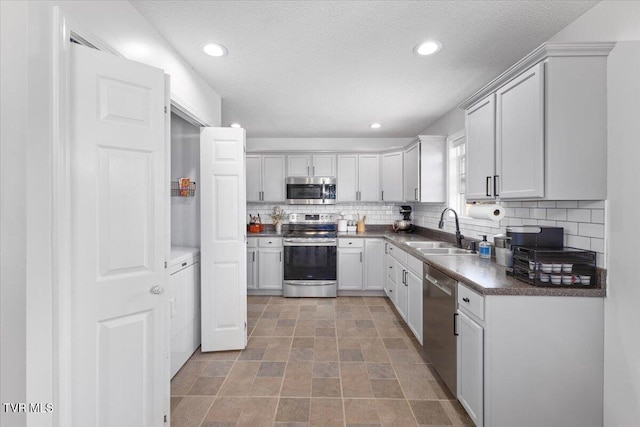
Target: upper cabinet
{"x": 358, "y": 178}
{"x": 392, "y": 178}
{"x": 538, "y": 131}
{"x": 265, "y": 178}
{"x": 311, "y": 165}
{"x": 424, "y": 166}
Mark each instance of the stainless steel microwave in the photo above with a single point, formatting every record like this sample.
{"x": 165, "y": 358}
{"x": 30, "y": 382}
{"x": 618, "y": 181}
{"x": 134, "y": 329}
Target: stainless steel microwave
{"x": 302, "y": 190}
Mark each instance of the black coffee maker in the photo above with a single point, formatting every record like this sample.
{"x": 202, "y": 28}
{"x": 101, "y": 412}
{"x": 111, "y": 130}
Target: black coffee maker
{"x": 404, "y": 224}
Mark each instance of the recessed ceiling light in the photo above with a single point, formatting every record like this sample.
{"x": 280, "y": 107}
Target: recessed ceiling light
{"x": 215, "y": 49}
{"x": 375, "y": 125}
{"x": 235, "y": 125}
{"x": 427, "y": 48}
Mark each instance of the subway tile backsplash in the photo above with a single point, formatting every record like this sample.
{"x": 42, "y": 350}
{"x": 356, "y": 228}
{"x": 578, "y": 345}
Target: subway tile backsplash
{"x": 583, "y": 221}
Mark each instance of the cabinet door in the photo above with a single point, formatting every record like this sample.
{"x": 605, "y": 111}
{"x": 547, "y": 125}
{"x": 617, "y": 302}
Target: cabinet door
{"x": 433, "y": 169}
{"x": 323, "y": 165}
{"x": 414, "y": 305}
{"x": 411, "y": 169}
{"x": 520, "y": 136}
{"x": 252, "y": 268}
{"x": 402, "y": 289}
{"x": 298, "y": 165}
{"x": 480, "y": 128}
{"x": 350, "y": 269}
{"x": 347, "y": 178}
{"x": 392, "y": 177}
{"x": 374, "y": 272}
{"x": 470, "y": 367}
{"x": 390, "y": 278}
{"x": 270, "y": 268}
{"x": 368, "y": 177}
{"x": 254, "y": 178}
{"x": 272, "y": 178}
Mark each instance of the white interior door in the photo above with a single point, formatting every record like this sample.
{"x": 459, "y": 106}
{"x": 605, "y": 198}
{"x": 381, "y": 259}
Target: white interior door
{"x": 119, "y": 315}
{"x": 223, "y": 251}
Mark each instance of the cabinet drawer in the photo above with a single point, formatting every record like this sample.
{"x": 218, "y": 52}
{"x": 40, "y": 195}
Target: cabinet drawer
{"x": 398, "y": 254}
{"x": 252, "y": 242}
{"x": 470, "y": 301}
{"x": 269, "y": 242}
{"x": 415, "y": 265}
{"x": 351, "y": 243}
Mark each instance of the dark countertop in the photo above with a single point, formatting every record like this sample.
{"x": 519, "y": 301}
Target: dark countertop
{"x": 482, "y": 275}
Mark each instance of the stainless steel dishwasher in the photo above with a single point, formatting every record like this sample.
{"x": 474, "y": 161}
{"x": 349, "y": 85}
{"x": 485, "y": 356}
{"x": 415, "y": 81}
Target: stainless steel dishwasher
{"x": 439, "y": 328}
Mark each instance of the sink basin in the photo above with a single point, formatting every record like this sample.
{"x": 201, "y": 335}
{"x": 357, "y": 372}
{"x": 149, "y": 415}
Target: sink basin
{"x": 428, "y": 245}
{"x": 445, "y": 251}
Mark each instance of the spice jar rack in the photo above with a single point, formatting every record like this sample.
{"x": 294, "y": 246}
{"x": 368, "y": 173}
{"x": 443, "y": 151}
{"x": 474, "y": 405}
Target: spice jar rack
{"x": 564, "y": 268}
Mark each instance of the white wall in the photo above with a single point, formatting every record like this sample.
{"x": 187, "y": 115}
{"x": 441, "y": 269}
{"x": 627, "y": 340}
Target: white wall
{"x": 13, "y": 122}
{"x": 325, "y": 144}
{"x": 619, "y": 21}
{"x": 120, "y": 25}
{"x": 185, "y": 163}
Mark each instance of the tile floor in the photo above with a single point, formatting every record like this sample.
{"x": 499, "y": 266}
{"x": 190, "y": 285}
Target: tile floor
{"x": 348, "y": 361}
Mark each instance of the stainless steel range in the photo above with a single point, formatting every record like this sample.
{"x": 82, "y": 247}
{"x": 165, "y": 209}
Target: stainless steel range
{"x": 310, "y": 256}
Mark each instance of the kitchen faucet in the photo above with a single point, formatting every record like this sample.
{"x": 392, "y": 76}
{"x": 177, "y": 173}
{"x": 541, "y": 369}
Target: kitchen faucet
{"x": 459, "y": 236}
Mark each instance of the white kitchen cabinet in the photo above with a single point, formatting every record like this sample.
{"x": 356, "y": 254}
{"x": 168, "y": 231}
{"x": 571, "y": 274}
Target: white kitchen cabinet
{"x": 374, "y": 272}
{"x": 546, "y": 112}
{"x": 481, "y": 139}
{"x": 184, "y": 298}
{"x": 520, "y": 136}
{"x": 411, "y": 170}
{"x": 414, "y": 303}
{"x": 391, "y": 177}
{"x": 358, "y": 177}
{"x": 511, "y": 347}
{"x": 361, "y": 264}
{"x": 470, "y": 367}
{"x": 402, "y": 290}
{"x": 265, "y": 178}
{"x": 252, "y": 263}
{"x": 390, "y": 277}
{"x": 264, "y": 264}
{"x": 323, "y": 165}
{"x": 350, "y": 269}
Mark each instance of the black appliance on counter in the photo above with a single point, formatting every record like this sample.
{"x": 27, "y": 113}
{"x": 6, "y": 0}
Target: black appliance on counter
{"x": 541, "y": 259}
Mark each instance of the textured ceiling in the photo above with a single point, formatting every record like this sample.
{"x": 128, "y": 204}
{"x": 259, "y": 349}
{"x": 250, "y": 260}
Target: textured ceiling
{"x": 330, "y": 68}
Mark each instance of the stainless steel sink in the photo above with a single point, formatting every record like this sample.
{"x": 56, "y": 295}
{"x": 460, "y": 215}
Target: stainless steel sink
{"x": 445, "y": 251}
{"x": 429, "y": 245}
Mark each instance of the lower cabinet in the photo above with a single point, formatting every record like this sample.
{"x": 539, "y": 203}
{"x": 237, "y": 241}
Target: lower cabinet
{"x": 360, "y": 264}
{"x": 470, "y": 367}
{"x": 407, "y": 279}
{"x": 264, "y": 263}
{"x": 518, "y": 354}
{"x": 390, "y": 277}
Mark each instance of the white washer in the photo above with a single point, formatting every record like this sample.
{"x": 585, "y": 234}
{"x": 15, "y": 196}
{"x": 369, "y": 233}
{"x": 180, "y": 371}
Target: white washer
{"x": 184, "y": 297}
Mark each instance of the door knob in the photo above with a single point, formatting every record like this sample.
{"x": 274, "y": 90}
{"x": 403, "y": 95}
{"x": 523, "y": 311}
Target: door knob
{"x": 157, "y": 290}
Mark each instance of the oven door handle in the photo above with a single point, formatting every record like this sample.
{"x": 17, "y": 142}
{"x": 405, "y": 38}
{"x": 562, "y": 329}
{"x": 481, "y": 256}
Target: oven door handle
{"x": 305, "y": 242}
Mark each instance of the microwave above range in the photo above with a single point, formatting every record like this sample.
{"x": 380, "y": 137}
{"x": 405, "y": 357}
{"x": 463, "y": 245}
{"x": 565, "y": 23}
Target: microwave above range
{"x": 303, "y": 190}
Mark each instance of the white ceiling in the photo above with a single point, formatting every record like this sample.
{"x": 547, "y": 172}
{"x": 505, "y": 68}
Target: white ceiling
{"x": 330, "y": 68}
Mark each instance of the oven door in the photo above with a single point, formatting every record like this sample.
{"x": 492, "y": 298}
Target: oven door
{"x": 310, "y": 260}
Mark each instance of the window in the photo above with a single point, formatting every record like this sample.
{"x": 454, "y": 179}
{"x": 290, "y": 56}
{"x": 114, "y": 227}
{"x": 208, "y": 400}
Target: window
{"x": 456, "y": 144}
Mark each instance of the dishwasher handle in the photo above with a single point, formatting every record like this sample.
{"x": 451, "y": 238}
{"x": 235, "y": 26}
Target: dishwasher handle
{"x": 437, "y": 284}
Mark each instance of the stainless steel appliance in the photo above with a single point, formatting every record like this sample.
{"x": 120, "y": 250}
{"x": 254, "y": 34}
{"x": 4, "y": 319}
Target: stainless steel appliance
{"x": 310, "y": 256}
{"x": 302, "y": 190}
{"x": 439, "y": 324}
{"x": 404, "y": 224}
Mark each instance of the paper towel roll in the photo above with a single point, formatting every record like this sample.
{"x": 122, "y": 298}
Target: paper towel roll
{"x": 485, "y": 211}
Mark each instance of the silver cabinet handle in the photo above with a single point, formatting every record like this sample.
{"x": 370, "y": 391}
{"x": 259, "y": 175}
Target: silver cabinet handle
{"x": 382, "y": 195}
{"x": 156, "y": 290}
{"x": 280, "y": 256}
{"x": 313, "y": 171}
{"x": 360, "y": 256}
{"x": 307, "y": 170}
{"x": 415, "y": 193}
{"x": 254, "y": 256}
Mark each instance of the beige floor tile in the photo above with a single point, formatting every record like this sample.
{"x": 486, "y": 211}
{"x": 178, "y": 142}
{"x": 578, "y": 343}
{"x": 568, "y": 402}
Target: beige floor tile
{"x": 456, "y": 413}
{"x": 218, "y": 368}
{"x": 361, "y": 411}
{"x": 429, "y": 412}
{"x": 191, "y": 410}
{"x": 326, "y": 413}
{"x": 326, "y": 370}
{"x": 292, "y": 409}
{"x": 325, "y": 387}
{"x": 265, "y": 386}
{"x": 206, "y": 386}
{"x": 395, "y": 413}
{"x": 225, "y": 409}
{"x": 258, "y": 412}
